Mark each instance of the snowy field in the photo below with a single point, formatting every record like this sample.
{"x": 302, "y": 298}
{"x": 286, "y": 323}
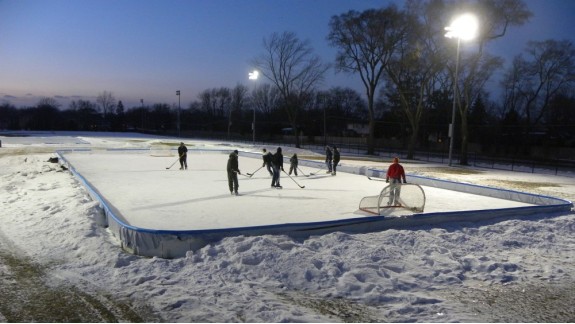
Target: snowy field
{"x": 515, "y": 270}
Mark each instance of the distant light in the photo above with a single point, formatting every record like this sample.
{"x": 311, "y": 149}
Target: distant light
{"x": 253, "y": 75}
{"x": 463, "y": 27}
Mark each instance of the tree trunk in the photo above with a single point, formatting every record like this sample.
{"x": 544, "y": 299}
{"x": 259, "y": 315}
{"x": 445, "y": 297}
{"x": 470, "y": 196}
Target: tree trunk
{"x": 371, "y": 138}
{"x": 412, "y": 141}
{"x": 463, "y": 159}
{"x": 370, "y": 109}
{"x": 296, "y": 136}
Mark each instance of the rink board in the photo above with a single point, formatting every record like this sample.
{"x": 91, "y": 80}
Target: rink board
{"x": 155, "y": 211}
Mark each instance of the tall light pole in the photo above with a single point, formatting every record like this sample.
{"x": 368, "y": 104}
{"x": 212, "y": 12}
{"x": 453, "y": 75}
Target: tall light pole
{"x": 178, "y": 94}
{"x": 322, "y": 102}
{"x": 142, "y": 101}
{"x": 463, "y": 27}
{"x": 254, "y": 76}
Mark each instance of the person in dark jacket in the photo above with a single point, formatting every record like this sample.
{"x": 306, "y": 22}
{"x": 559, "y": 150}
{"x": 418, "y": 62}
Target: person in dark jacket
{"x": 267, "y": 157}
{"x": 183, "y": 154}
{"x": 336, "y": 158}
{"x": 328, "y": 158}
{"x": 233, "y": 171}
{"x": 293, "y": 164}
{"x": 277, "y": 165}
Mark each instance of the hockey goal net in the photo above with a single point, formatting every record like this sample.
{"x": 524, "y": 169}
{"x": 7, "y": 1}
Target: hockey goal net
{"x": 159, "y": 149}
{"x": 406, "y": 196}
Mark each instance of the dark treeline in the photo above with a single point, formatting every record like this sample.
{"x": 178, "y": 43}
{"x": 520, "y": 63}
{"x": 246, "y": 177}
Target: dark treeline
{"x": 335, "y": 112}
{"x": 407, "y": 69}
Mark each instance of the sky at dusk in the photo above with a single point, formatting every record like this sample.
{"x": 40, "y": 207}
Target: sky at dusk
{"x": 148, "y": 49}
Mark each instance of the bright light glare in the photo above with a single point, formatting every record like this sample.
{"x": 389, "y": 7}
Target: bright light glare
{"x": 253, "y": 75}
{"x": 463, "y": 27}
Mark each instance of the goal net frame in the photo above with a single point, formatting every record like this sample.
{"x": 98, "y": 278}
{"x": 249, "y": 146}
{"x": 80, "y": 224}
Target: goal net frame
{"x": 410, "y": 196}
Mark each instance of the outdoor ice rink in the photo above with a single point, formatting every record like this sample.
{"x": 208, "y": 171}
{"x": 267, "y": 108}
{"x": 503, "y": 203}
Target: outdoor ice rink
{"x": 147, "y": 195}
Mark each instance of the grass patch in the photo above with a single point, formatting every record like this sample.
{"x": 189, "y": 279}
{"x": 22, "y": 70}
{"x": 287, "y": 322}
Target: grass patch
{"x": 175, "y": 144}
{"x": 520, "y": 303}
{"x": 344, "y": 310}
{"x": 321, "y": 157}
{"x": 527, "y": 185}
{"x": 311, "y": 157}
{"x": 11, "y": 151}
{"x": 25, "y": 297}
{"x": 451, "y": 170}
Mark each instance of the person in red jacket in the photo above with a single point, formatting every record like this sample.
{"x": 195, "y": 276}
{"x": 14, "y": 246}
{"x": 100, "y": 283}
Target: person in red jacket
{"x": 395, "y": 174}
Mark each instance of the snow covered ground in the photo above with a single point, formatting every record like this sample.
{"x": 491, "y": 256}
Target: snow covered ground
{"x": 516, "y": 270}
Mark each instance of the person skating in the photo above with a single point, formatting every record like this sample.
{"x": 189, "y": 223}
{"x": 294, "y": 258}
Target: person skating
{"x": 395, "y": 173}
{"x": 328, "y": 158}
{"x": 335, "y": 160}
{"x": 277, "y": 166}
{"x": 267, "y": 157}
{"x": 293, "y": 164}
{"x": 183, "y": 154}
{"x": 233, "y": 171}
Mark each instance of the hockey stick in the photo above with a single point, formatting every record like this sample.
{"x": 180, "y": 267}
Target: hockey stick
{"x": 173, "y": 163}
{"x": 375, "y": 179}
{"x": 293, "y": 180}
{"x": 247, "y": 176}
{"x": 314, "y": 173}
{"x": 306, "y": 175}
{"x": 251, "y": 174}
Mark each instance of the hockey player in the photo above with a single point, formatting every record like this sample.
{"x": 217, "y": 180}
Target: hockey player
{"x": 267, "y": 157}
{"x": 183, "y": 154}
{"x": 293, "y": 164}
{"x": 328, "y": 158}
{"x": 395, "y": 174}
{"x": 336, "y": 158}
{"x": 233, "y": 172}
{"x": 277, "y": 165}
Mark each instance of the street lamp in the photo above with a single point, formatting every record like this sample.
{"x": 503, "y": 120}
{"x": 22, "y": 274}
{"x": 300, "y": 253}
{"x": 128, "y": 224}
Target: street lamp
{"x": 254, "y": 76}
{"x": 464, "y": 28}
{"x": 178, "y": 94}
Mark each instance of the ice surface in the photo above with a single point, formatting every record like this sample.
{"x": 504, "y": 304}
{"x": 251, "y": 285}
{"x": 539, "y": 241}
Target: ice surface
{"x": 149, "y": 196}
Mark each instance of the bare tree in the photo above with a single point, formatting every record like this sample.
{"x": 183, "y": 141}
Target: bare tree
{"x": 266, "y": 98}
{"x": 344, "y": 102}
{"x": 238, "y": 98}
{"x": 414, "y": 69}
{"x": 495, "y": 17}
{"x": 48, "y": 102}
{"x": 208, "y": 102}
{"x": 366, "y": 42}
{"x": 472, "y": 89}
{"x": 87, "y": 113}
{"x": 531, "y": 83}
{"x": 293, "y": 69}
{"x": 106, "y": 102}
{"x": 216, "y": 102}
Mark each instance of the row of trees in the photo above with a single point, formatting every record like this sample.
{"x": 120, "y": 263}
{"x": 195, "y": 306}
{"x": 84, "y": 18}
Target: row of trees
{"x": 407, "y": 68}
